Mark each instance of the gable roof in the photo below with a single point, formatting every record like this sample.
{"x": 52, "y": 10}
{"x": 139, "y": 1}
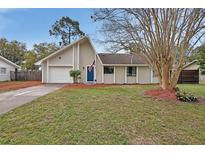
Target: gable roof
{"x": 9, "y": 62}
{"x": 108, "y": 58}
{"x": 62, "y": 49}
{"x": 187, "y": 65}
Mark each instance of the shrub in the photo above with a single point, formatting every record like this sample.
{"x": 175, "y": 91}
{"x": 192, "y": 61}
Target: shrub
{"x": 76, "y": 75}
{"x": 185, "y": 96}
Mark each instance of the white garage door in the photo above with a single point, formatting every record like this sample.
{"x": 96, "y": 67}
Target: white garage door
{"x": 60, "y": 75}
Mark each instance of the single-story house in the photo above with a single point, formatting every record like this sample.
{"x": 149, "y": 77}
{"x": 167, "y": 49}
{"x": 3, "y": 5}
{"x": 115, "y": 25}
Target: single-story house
{"x": 5, "y": 67}
{"x": 95, "y": 67}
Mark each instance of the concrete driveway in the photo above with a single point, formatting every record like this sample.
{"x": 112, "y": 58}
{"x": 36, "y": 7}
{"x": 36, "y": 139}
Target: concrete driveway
{"x": 12, "y": 99}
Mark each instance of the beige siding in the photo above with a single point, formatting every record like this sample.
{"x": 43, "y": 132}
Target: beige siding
{"x": 108, "y": 78}
{"x": 144, "y": 75}
{"x": 87, "y": 56}
{"x": 131, "y": 79}
{"x": 120, "y": 74}
{"x": 64, "y": 58}
{"x": 193, "y": 66}
{"x": 99, "y": 71}
{"x": 202, "y": 79}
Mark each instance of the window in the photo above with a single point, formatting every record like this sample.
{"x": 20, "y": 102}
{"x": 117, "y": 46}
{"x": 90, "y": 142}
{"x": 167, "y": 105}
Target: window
{"x": 131, "y": 71}
{"x": 3, "y": 70}
{"x": 108, "y": 70}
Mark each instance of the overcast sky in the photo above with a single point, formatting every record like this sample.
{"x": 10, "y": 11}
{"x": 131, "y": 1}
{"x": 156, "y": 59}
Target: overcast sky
{"x": 31, "y": 25}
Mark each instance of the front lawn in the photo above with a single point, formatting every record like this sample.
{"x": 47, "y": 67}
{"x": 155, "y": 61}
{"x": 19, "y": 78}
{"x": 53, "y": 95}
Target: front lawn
{"x": 108, "y": 115}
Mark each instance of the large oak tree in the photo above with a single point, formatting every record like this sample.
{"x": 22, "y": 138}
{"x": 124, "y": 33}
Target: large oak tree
{"x": 164, "y": 37}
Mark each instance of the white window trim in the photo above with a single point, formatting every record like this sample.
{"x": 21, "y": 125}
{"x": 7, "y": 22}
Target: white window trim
{"x": 47, "y": 71}
{"x": 73, "y": 57}
{"x": 114, "y": 75}
{"x": 135, "y": 71}
{"x": 137, "y": 75}
{"x": 102, "y": 74}
{"x": 42, "y": 70}
{"x": 151, "y": 75}
{"x": 125, "y": 74}
{"x": 95, "y": 77}
{"x": 78, "y": 64}
{"x": 86, "y": 79}
{"x": 109, "y": 73}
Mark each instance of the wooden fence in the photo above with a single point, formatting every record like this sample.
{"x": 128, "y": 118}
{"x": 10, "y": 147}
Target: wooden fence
{"x": 26, "y": 75}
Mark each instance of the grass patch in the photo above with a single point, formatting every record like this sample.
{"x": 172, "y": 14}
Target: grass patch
{"x": 109, "y": 115}
{"x": 198, "y": 89}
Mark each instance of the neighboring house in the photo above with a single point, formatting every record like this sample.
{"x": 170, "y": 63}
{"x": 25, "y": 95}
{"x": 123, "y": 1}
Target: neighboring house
{"x": 103, "y": 67}
{"x": 191, "y": 74}
{"x": 95, "y": 68}
{"x": 5, "y": 67}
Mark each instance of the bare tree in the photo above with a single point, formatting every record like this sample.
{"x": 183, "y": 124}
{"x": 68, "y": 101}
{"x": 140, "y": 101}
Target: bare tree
{"x": 163, "y": 36}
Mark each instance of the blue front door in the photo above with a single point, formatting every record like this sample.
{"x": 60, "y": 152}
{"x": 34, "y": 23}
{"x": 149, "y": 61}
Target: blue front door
{"x": 90, "y": 73}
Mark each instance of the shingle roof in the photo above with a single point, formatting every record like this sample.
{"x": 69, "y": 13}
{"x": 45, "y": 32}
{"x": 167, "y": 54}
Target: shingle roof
{"x": 108, "y": 58}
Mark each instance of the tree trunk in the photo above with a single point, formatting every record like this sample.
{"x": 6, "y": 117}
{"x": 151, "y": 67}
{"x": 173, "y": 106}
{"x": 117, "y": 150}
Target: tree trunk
{"x": 165, "y": 84}
{"x": 175, "y": 78}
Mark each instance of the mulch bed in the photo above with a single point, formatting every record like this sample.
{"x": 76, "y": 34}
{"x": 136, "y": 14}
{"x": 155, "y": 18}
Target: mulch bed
{"x": 161, "y": 94}
{"x": 5, "y": 86}
{"x": 80, "y": 86}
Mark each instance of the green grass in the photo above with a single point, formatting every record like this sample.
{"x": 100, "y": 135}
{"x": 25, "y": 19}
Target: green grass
{"x": 198, "y": 90}
{"x": 109, "y": 115}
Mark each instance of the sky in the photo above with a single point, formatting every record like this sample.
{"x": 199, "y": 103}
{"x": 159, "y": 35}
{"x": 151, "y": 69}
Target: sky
{"x": 32, "y": 25}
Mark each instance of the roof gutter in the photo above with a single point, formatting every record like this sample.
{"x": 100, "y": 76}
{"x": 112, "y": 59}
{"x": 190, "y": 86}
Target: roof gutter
{"x": 125, "y": 65}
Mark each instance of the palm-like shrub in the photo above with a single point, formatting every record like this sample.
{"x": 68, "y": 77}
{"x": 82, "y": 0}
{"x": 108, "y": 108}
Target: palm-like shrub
{"x": 185, "y": 96}
{"x": 76, "y": 75}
